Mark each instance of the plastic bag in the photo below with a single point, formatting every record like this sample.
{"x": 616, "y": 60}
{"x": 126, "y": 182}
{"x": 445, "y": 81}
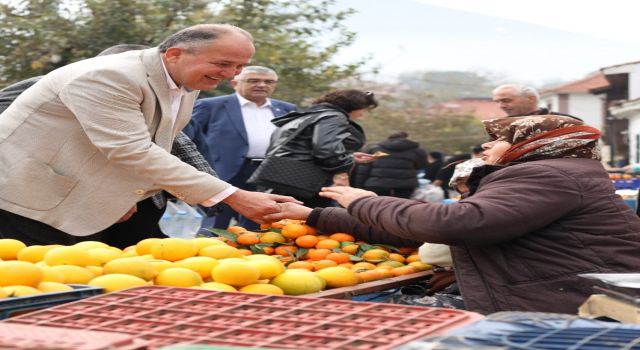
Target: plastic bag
{"x": 428, "y": 193}
{"x": 180, "y": 220}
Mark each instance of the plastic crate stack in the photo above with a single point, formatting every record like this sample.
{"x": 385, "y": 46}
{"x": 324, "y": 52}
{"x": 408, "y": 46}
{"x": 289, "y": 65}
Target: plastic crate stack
{"x": 165, "y": 316}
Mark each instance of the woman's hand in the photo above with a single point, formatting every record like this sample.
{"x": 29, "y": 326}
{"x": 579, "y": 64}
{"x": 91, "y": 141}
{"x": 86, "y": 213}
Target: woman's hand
{"x": 361, "y": 157}
{"x": 341, "y": 179}
{"x": 345, "y": 195}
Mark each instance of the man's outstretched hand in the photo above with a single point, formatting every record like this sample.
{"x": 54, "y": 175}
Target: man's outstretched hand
{"x": 256, "y": 205}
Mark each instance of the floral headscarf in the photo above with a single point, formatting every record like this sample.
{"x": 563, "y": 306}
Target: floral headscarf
{"x": 544, "y": 137}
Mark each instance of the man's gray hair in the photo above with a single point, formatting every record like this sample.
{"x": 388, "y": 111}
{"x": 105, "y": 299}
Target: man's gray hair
{"x": 519, "y": 90}
{"x": 192, "y": 38}
{"x": 257, "y": 70}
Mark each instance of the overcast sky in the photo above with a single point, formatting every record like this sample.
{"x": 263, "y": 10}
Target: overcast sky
{"x": 530, "y": 42}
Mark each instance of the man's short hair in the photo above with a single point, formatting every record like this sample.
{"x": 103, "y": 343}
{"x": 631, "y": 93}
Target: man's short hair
{"x": 256, "y": 70}
{"x": 192, "y": 38}
{"x": 519, "y": 90}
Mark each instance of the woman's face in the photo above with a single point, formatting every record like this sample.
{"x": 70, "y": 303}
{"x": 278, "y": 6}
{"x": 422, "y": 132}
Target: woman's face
{"x": 358, "y": 113}
{"x": 494, "y": 150}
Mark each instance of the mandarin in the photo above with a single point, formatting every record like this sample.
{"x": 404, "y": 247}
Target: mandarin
{"x": 328, "y": 244}
{"x": 294, "y": 231}
{"x": 342, "y": 237}
{"x": 339, "y": 258}
{"x": 248, "y": 238}
{"x": 286, "y": 250}
{"x": 318, "y": 254}
{"x": 307, "y": 241}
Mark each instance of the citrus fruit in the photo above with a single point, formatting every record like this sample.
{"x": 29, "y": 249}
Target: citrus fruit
{"x": 286, "y": 250}
{"x": 68, "y": 255}
{"x": 222, "y": 251}
{"x": 272, "y": 237}
{"x": 117, "y": 281}
{"x": 350, "y": 248}
{"x": 86, "y": 245}
{"x": 318, "y": 254}
{"x": 33, "y": 253}
{"x": 307, "y": 241}
{"x": 396, "y": 257}
{"x": 298, "y": 282}
{"x": 48, "y": 287}
{"x": 342, "y": 237}
{"x": 20, "y": 273}
{"x": 74, "y": 274}
{"x": 327, "y": 244}
{"x": 217, "y": 286}
{"x": 96, "y": 270}
{"x": 236, "y": 274}
{"x": 269, "y": 268}
{"x": 363, "y": 265}
{"x": 294, "y": 231}
{"x": 248, "y": 238}
{"x": 3, "y": 294}
{"x": 375, "y": 255}
{"x": 9, "y": 248}
{"x": 202, "y": 242}
{"x": 391, "y": 263}
{"x": 338, "y": 277}
{"x": 160, "y": 264}
{"x": 420, "y": 266}
{"x": 324, "y": 263}
{"x": 339, "y": 258}
{"x": 102, "y": 256}
{"x": 178, "y": 277}
{"x": 200, "y": 264}
{"x": 134, "y": 266}
{"x": 236, "y": 229}
{"x": 301, "y": 265}
{"x": 144, "y": 246}
{"x": 173, "y": 249}
{"x": 403, "y": 270}
{"x": 51, "y": 275}
{"x": 20, "y": 291}
{"x": 262, "y": 289}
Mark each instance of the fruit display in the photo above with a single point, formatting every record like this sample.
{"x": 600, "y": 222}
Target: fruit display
{"x": 287, "y": 257}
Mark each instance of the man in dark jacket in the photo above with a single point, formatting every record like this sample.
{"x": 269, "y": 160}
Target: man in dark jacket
{"x": 520, "y": 100}
{"x": 394, "y": 172}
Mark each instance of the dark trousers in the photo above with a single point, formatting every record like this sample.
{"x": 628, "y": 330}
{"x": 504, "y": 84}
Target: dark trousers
{"x": 223, "y": 218}
{"x": 32, "y": 232}
{"x": 143, "y": 224}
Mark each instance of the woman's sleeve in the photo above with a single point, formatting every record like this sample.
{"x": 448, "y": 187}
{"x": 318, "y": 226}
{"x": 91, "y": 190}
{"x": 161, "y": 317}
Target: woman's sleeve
{"x": 327, "y": 144}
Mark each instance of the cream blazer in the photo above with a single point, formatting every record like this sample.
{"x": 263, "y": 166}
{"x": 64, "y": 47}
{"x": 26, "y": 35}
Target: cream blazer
{"x": 80, "y": 147}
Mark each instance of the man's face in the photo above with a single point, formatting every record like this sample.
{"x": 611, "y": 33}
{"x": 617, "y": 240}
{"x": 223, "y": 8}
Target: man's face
{"x": 513, "y": 104}
{"x": 210, "y": 64}
{"x": 255, "y": 87}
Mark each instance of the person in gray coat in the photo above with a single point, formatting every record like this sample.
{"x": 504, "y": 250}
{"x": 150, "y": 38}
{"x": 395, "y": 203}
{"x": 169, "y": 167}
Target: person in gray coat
{"x": 540, "y": 212}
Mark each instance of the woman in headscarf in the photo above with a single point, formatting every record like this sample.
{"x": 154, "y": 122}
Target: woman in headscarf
{"x": 541, "y": 211}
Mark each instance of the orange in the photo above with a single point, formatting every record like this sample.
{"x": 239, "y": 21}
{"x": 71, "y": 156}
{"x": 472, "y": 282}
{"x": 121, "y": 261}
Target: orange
{"x": 339, "y": 258}
{"x": 411, "y": 258}
{"x": 350, "y": 248}
{"x": 294, "y": 231}
{"x": 286, "y": 250}
{"x": 265, "y": 226}
{"x": 391, "y": 263}
{"x": 420, "y": 266}
{"x": 386, "y": 271}
{"x": 318, "y": 254}
{"x": 328, "y": 244}
{"x": 311, "y": 230}
{"x": 403, "y": 270}
{"x": 369, "y": 275}
{"x": 342, "y": 237}
{"x": 396, "y": 257}
{"x": 307, "y": 241}
{"x": 248, "y": 238}
{"x": 268, "y": 250}
{"x": 236, "y": 229}
{"x": 347, "y": 265}
{"x": 324, "y": 263}
{"x": 245, "y": 252}
{"x": 300, "y": 265}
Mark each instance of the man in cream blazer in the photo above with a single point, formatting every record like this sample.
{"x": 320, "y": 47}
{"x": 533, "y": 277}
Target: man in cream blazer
{"x": 89, "y": 140}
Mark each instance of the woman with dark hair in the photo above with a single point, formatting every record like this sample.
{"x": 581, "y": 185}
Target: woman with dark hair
{"x": 329, "y": 136}
{"x": 540, "y": 211}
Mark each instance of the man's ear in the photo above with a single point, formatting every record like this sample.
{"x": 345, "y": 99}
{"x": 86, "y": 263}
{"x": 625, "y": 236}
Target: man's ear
{"x": 173, "y": 54}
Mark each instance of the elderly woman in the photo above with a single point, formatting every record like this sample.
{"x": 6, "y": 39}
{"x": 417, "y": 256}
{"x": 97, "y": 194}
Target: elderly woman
{"x": 540, "y": 212}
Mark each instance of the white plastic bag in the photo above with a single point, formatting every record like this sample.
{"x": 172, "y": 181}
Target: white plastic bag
{"x": 180, "y": 220}
{"x": 428, "y": 193}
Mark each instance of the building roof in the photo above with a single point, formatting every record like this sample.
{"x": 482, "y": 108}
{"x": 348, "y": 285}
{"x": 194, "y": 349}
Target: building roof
{"x": 594, "y": 81}
{"x": 481, "y": 108}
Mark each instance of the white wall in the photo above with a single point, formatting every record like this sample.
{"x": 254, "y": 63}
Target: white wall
{"x": 587, "y": 107}
{"x": 550, "y": 100}
{"x": 634, "y": 130}
{"x": 634, "y": 82}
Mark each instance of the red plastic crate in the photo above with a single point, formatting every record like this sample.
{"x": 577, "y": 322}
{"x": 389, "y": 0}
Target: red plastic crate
{"x": 18, "y": 336}
{"x": 166, "y": 316}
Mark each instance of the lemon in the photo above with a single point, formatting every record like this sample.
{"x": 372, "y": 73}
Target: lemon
{"x": 272, "y": 237}
{"x": 33, "y": 253}
{"x": 220, "y": 252}
{"x": 68, "y": 255}
{"x": 237, "y": 274}
{"x": 375, "y": 255}
{"x": 173, "y": 249}
{"x": 144, "y": 246}
{"x": 338, "y": 276}
{"x": 96, "y": 270}
{"x": 20, "y": 291}
{"x": 9, "y": 248}
{"x": 268, "y": 268}
{"x": 117, "y": 281}
{"x": 217, "y": 286}
{"x": 262, "y": 289}
{"x": 3, "y": 294}
{"x": 160, "y": 264}
{"x": 20, "y": 273}
{"x": 48, "y": 287}
{"x": 102, "y": 256}
{"x": 178, "y": 277}
{"x": 200, "y": 264}
{"x": 51, "y": 275}
{"x": 86, "y": 245}
{"x": 135, "y": 266}
{"x": 202, "y": 242}
{"x": 298, "y": 282}
{"x": 74, "y": 274}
